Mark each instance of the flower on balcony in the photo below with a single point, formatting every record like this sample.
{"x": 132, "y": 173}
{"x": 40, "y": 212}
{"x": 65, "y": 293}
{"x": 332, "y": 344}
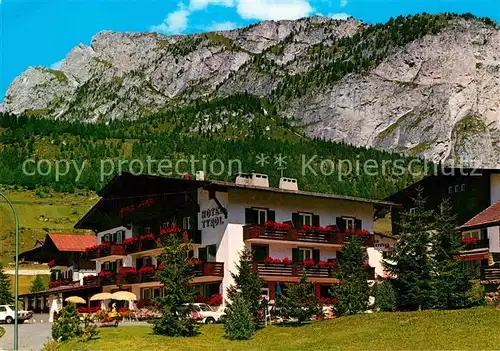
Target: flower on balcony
{"x": 128, "y": 271}
{"x": 147, "y": 270}
{"x": 358, "y": 232}
{"x": 366, "y": 265}
{"x": 286, "y": 260}
{"x": 57, "y": 283}
{"x": 130, "y": 241}
{"x": 215, "y": 300}
{"x": 194, "y": 261}
{"x": 88, "y": 278}
{"x": 277, "y": 225}
{"x": 52, "y": 263}
{"x": 92, "y": 248}
{"x": 470, "y": 240}
{"x": 104, "y": 245}
{"x": 105, "y": 274}
{"x": 149, "y": 236}
{"x": 201, "y": 299}
{"x": 270, "y": 260}
{"x": 309, "y": 262}
{"x": 326, "y": 264}
{"x": 160, "y": 267}
{"x": 174, "y": 229}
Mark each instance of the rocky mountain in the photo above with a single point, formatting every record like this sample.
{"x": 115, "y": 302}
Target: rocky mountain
{"x": 426, "y": 85}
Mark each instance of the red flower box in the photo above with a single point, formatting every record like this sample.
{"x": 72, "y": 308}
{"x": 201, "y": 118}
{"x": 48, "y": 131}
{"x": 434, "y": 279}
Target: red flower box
{"x": 51, "y": 263}
{"x": 358, "y": 232}
{"x": 174, "y": 229}
{"x": 194, "y": 261}
{"x": 128, "y": 271}
{"x": 160, "y": 267}
{"x": 470, "y": 240}
{"x": 92, "y": 248}
{"x": 270, "y": 260}
{"x": 57, "y": 283}
{"x": 105, "y": 274}
{"x": 277, "y": 226}
{"x": 146, "y": 270}
{"x": 130, "y": 241}
{"x": 149, "y": 236}
{"x": 215, "y": 300}
{"x": 309, "y": 263}
{"x": 286, "y": 260}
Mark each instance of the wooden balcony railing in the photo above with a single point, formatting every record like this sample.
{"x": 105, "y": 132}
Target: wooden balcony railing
{"x": 193, "y": 236}
{"x": 480, "y": 244}
{"x": 113, "y": 249}
{"x": 296, "y": 269}
{"x": 256, "y": 231}
{"x": 492, "y": 273}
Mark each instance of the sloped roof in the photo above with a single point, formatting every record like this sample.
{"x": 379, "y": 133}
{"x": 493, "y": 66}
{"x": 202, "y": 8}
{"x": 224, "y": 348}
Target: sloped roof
{"x": 72, "y": 242}
{"x": 485, "y": 218}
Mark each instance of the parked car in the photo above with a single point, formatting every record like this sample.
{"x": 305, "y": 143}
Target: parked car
{"x": 8, "y": 313}
{"x": 205, "y": 314}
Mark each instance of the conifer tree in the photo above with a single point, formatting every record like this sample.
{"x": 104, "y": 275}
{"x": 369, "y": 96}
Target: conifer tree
{"x": 452, "y": 279}
{"x": 412, "y": 263}
{"x": 300, "y": 302}
{"x": 385, "y": 299}
{"x": 37, "y": 284}
{"x": 5, "y": 292}
{"x": 248, "y": 284}
{"x": 239, "y": 322}
{"x": 175, "y": 305}
{"x": 353, "y": 291}
{"x": 67, "y": 325}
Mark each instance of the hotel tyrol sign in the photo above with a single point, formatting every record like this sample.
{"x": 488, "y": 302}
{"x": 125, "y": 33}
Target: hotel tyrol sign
{"x": 212, "y": 217}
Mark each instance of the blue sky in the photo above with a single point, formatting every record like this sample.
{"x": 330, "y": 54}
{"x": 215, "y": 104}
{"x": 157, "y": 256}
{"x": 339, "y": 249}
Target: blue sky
{"x": 42, "y": 32}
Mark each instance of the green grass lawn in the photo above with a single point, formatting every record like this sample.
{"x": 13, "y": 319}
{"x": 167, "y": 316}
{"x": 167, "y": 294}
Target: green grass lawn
{"x": 464, "y": 329}
{"x": 38, "y": 213}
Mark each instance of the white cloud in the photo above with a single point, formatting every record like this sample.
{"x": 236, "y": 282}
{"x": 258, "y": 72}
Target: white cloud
{"x": 175, "y": 23}
{"x": 196, "y": 5}
{"x": 339, "y": 16}
{"x": 216, "y": 26}
{"x": 56, "y": 65}
{"x": 343, "y": 3}
{"x": 274, "y": 9}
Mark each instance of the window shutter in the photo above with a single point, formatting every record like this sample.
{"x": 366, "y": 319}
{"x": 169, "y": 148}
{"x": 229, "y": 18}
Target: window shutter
{"x": 358, "y": 224}
{"x": 296, "y": 220}
{"x": 202, "y": 254}
{"x": 271, "y": 215}
{"x": 212, "y": 252}
{"x": 295, "y": 255}
{"x": 250, "y": 216}
{"x": 316, "y": 255}
{"x": 139, "y": 263}
{"x": 340, "y": 224}
{"x": 315, "y": 220}
{"x": 260, "y": 252}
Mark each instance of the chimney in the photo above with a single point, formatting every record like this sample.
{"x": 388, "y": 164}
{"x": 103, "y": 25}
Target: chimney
{"x": 289, "y": 184}
{"x": 254, "y": 179}
{"x": 200, "y": 175}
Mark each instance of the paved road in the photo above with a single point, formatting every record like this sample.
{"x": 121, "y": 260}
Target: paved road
{"x": 31, "y": 336}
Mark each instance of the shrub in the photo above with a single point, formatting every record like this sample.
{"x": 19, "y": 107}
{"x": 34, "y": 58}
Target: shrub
{"x": 239, "y": 321}
{"x": 385, "y": 298}
{"x": 67, "y": 325}
{"x": 476, "y": 294}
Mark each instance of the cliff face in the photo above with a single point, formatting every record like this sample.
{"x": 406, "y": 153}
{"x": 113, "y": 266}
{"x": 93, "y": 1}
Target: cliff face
{"x": 435, "y": 95}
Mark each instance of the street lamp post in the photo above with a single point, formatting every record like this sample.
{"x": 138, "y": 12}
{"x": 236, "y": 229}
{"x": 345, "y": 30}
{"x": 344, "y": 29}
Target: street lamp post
{"x": 16, "y": 277}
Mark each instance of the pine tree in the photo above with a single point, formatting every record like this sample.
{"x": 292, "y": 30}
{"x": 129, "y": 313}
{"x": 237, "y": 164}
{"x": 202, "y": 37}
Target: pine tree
{"x": 176, "y": 304}
{"x": 239, "y": 322}
{"x": 353, "y": 292}
{"x": 37, "y": 284}
{"x": 5, "y": 292}
{"x": 412, "y": 264}
{"x": 248, "y": 284}
{"x": 67, "y": 325}
{"x": 300, "y": 302}
{"x": 385, "y": 299}
{"x": 452, "y": 278}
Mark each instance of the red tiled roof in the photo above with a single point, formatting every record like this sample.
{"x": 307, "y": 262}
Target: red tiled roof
{"x": 72, "y": 242}
{"x": 489, "y": 216}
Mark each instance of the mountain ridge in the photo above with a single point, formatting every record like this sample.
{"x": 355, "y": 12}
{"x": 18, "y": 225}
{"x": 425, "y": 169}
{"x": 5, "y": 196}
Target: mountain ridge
{"x": 424, "y": 85}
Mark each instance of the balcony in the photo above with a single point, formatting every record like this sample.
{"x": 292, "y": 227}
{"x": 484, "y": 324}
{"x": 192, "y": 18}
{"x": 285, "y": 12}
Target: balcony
{"x": 479, "y": 244}
{"x": 256, "y": 232}
{"x": 280, "y": 270}
{"x": 137, "y": 245}
{"x": 490, "y": 274}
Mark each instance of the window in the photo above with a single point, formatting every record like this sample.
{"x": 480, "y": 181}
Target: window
{"x": 147, "y": 261}
{"x": 146, "y": 293}
{"x": 305, "y": 218}
{"x": 305, "y": 254}
{"x": 156, "y": 292}
{"x": 119, "y": 236}
{"x": 186, "y": 223}
{"x": 3, "y": 309}
{"x": 260, "y": 252}
{"x": 349, "y": 222}
{"x": 261, "y": 216}
{"x": 264, "y": 293}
